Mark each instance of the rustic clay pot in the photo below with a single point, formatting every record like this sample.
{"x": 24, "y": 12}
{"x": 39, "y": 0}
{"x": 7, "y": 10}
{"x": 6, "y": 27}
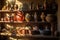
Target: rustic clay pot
{"x": 49, "y": 18}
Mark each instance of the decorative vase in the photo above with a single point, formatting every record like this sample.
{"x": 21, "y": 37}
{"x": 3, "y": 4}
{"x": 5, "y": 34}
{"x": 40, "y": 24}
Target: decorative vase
{"x": 49, "y": 18}
{"x": 7, "y": 17}
{"x": 42, "y": 17}
{"x": 19, "y": 17}
{"x": 27, "y": 17}
{"x": 35, "y": 17}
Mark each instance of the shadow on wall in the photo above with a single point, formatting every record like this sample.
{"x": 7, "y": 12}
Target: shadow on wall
{"x": 25, "y": 7}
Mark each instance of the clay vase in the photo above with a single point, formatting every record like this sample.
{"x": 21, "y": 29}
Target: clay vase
{"x": 42, "y": 17}
{"x": 7, "y": 17}
{"x": 35, "y": 17}
{"x": 27, "y": 17}
{"x": 21, "y": 31}
{"x": 49, "y": 18}
{"x": 28, "y": 30}
{"x": 15, "y": 7}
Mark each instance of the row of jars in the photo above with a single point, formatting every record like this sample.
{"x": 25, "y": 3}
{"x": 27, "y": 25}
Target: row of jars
{"x": 20, "y": 16}
{"x": 27, "y": 30}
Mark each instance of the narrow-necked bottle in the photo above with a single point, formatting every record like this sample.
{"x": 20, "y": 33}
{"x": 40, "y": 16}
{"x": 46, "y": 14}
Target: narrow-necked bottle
{"x": 35, "y": 17}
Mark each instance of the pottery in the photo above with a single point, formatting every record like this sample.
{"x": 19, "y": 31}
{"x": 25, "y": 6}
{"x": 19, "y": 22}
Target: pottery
{"x": 24, "y": 31}
{"x": 27, "y": 17}
{"x": 35, "y": 17}
{"x": 19, "y": 17}
{"x": 7, "y": 17}
{"x": 49, "y": 18}
{"x": 42, "y": 16}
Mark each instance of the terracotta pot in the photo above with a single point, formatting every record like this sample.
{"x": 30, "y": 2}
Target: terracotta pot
{"x": 49, "y": 18}
{"x": 19, "y": 17}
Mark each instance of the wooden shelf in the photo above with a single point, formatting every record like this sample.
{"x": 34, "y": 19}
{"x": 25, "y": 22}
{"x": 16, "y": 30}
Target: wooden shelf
{"x": 20, "y": 22}
{"x": 14, "y": 11}
{"x": 8, "y": 11}
{"x": 30, "y": 36}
